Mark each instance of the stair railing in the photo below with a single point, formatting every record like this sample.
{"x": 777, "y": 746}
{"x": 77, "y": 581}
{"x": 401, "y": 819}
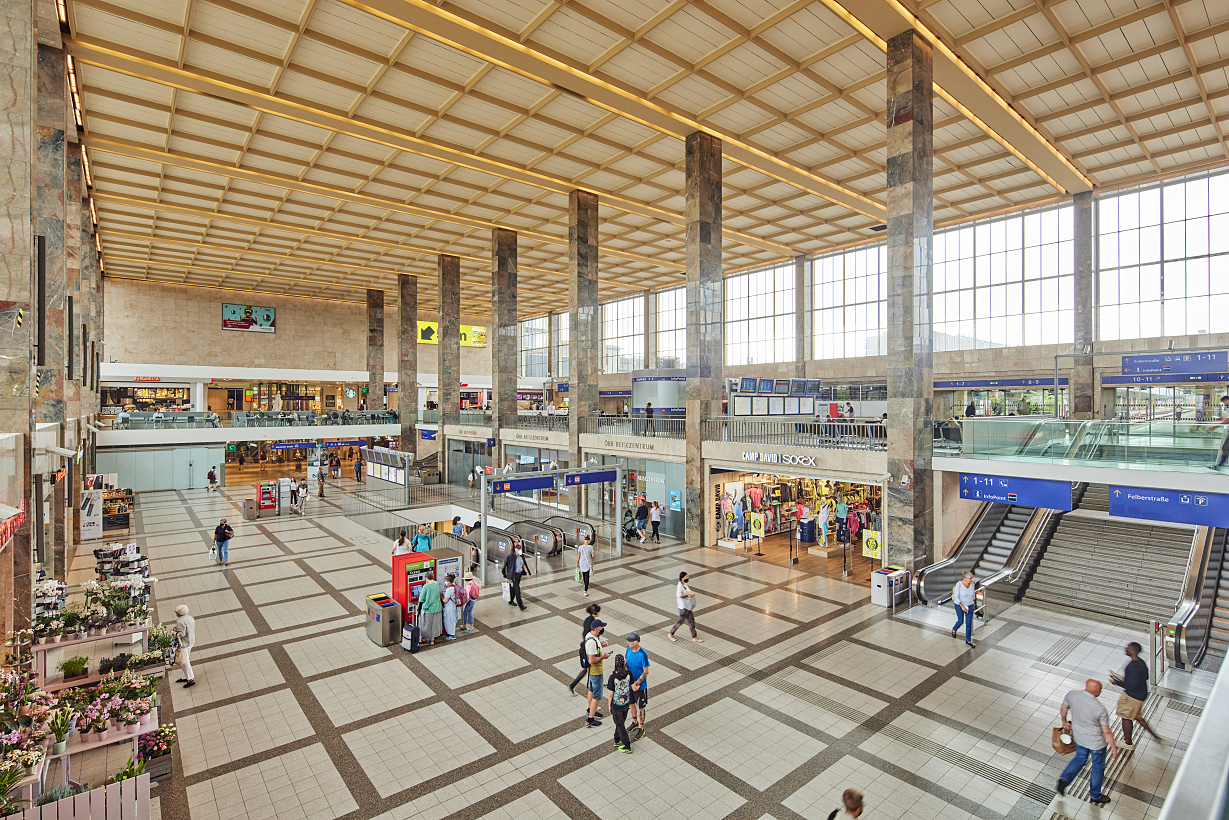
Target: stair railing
{"x": 1184, "y": 653}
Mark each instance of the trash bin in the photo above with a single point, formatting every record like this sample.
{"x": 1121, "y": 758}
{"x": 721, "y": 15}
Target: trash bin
{"x": 889, "y": 583}
{"x": 251, "y": 510}
{"x": 383, "y": 620}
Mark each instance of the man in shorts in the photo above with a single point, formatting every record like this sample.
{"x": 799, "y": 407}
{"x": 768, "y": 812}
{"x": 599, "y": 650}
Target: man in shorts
{"x": 638, "y": 664}
{"x": 595, "y": 655}
{"x": 1134, "y": 683}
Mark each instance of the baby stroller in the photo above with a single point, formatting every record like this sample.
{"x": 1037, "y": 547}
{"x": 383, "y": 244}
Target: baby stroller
{"x": 629, "y": 525}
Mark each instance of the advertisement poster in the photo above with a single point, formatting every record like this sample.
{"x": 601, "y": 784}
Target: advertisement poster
{"x": 676, "y": 499}
{"x": 471, "y": 335}
{"x": 249, "y": 317}
{"x": 872, "y": 544}
{"x": 757, "y": 524}
{"x": 91, "y": 513}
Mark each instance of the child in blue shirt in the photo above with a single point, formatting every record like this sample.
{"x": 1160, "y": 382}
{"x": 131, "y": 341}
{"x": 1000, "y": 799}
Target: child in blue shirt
{"x": 638, "y": 665}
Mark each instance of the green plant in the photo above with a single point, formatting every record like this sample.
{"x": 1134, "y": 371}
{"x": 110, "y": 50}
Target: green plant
{"x": 132, "y": 769}
{"x": 160, "y": 637}
{"x": 105, "y": 665}
{"x": 61, "y": 720}
{"x": 58, "y": 793}
{"x": 10, "y": 776}
{"x": 72, "y": 617}
{"x": 75, "y": 667}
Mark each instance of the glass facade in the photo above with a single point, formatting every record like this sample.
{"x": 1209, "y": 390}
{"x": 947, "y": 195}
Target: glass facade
{"x": 623, "y": 335}
{"x": 760, "y": 324}
{"x": 849, "y": 297}
{"x": 533, "y": 342}
{"x": 670, "y": 308}
{"x": 1162, "y": 254}
{"x": 561, "y": 331}
{"x": 659, "y": 481}
{"x": 463, "y": 456}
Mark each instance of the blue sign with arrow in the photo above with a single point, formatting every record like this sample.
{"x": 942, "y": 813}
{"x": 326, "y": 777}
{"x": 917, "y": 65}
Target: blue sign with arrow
{"x": 1177, "y": 506}
{"x": 1207, "y": 361}
{"x": 1027, "y": 492}
{"x": 590, "y": 478}
{"x": 516, "y": 485}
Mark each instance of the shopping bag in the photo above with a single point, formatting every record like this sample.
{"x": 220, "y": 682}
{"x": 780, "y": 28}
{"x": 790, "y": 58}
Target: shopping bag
{"x": 507, "y": 591}
{"x": 180, "y": 657}
{"x": 213, "y": 553}
{"x": 1063, "y": 747}
{"x": 577, "y": 577}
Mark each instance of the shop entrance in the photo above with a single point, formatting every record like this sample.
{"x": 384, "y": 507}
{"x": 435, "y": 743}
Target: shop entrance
{"x": 798, "y": 519}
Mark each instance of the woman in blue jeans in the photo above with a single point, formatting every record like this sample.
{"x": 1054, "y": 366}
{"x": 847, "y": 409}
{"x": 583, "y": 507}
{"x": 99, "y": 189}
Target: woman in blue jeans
{"x": 963, "y": 597}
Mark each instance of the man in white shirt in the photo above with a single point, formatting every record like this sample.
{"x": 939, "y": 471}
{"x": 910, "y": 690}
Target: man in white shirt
{"x": 963, "y": 596}
{"x": 1089, "y": 725}
{"x": 550, "y": 409}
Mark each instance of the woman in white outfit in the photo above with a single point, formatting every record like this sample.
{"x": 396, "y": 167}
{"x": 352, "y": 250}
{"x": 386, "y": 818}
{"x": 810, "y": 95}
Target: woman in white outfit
{"x": 185, "y": 631}
{"x": 825, "y": 511}
{"x": 401, "y": 544}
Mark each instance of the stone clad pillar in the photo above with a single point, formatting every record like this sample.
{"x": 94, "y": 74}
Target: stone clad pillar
{"x": 375, "y": 349}
{"x": 650, "y": 330}
{"x": 705, "y": 313}
{"x": 504, "y": 332}
{"x": 910, "y": 198}
{"x": 1081, "y": 389}
{"x": 802, "y": 316}
{"x": 585, "y": 321}
{"x": 407, "y": 360}
{"x": 448, "y": 350}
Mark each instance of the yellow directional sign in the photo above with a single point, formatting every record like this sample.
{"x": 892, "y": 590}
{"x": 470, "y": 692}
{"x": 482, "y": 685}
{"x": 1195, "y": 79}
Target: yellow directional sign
{"x": 471, "y": 335}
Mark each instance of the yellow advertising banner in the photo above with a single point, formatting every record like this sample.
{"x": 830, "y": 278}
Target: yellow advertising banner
{"x": 471, "y": 335}
{"x": 872, "y": 544}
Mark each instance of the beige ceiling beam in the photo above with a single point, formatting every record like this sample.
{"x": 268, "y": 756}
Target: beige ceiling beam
{"x": 133, "y": 151}
{"x": 115, "y": 58}
{"x": 458, "y": 33}
{"x": 957, "y": 83}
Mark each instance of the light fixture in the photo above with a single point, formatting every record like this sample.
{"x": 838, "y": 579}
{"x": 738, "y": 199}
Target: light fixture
{"x": 62, "y": 11}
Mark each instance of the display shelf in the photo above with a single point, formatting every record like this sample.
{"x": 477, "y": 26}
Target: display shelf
{"x": 95, "y": 677}
{"x": 76, "y": 746}
{"x": 41, "y": 651}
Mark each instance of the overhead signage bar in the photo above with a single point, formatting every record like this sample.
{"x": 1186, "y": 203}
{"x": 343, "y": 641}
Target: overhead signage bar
{"x": 1025, "y": 492}
{"x": 1209, "y": 361}
{"x": 590, "y": 478}
{"x": 961, "y": 384}
{"x": 516, "y": 485}
{"x": 1175, "y": 506}
{"x": 1166, "y": 378}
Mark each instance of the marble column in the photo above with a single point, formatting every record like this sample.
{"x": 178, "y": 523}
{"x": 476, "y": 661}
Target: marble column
{"x": 407, "y": 360}
{"x": 503, "y": 334}
{"x": 650, "y": 330}
{"x": 802, "y": 315}
{"x": 448, "y": 350}
{"x": 18, "y": 138}
{"x": 584, "y": 321}
{"x": 910, "y": 205}
{"x": 51, "y": 215}
{"x": 375, "y": 349}
{"x": 1081, "y": 389}
{"x": 705, "y": 313}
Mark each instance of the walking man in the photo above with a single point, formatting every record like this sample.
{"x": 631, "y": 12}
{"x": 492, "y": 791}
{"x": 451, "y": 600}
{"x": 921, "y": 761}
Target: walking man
{"x": 963, "y": 597}
{"x": 648, "y": 419}
{"x": 1134, "y": 685}
{"x": 515, "y": 568}
{"x": 358, "y": 468}
{"x": 595, "y": 656}
{"x": 221, "y": 536}
{"x": 1089, "y": 725}
{"x": 213, "y": 478}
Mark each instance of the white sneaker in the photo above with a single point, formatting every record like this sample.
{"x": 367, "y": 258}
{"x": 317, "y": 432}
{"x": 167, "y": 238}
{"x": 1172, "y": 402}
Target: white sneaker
{"x": 641, "y": 540}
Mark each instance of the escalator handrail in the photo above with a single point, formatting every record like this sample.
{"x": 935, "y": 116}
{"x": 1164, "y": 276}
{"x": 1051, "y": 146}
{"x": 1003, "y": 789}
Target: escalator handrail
{"x": 1200, "y": 788}
{"x": 1031, "y": 537}
{"x": 1189, "y": 605}
{"x": 919, "y": 577}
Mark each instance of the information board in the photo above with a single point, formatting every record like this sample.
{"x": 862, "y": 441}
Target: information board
{"x": 1027, "y": 492}
{"x": 1208, "y": 361}
{"x": 1176, "y": 506}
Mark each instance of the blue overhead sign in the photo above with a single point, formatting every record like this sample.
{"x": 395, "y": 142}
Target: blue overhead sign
{"x": 1027, "y": 492}
{"x": 1210, "y": 361}
{"x": 516, "y": 485}
{"x": 591, "y": 478}
{"x": 292, "y": 445}
{"x": 1176, "y": 506}
{"x": 958, "y": 384}
{"x": 1166, "y": 378}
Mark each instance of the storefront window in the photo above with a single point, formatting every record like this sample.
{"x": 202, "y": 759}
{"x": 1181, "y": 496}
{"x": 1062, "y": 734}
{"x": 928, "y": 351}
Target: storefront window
{"x": 660, "y": 481}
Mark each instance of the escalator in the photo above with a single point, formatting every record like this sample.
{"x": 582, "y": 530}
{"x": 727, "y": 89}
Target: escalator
{"x": 1200, "y": 628}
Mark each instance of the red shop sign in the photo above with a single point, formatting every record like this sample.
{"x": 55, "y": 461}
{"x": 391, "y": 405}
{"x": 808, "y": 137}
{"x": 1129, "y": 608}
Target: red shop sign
{"x": 9, "y": 527}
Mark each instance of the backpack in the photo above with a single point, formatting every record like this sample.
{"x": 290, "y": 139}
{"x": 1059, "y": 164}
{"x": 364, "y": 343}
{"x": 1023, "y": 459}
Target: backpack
{"x": 471, "y": 590}
{"x": 584, "y": 655}
{"x": 622, "y": 691}
{"x": 835, "y": 812}
{"x": 462, "y": 596}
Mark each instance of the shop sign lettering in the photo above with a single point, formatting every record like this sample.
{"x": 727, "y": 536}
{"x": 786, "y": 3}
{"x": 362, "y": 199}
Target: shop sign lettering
{"x": 628, "y": 445}
{"x": 780, "y": 458}
{"x": 9, "y": 528}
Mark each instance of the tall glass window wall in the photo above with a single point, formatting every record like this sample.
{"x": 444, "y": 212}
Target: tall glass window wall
{"x": 532, "y": 347}
{"x": 1163, "y": 259}
{"x": 561, "y": 327}
{"x": 623, "y": 335}
{"x": 849, "y": 296}
{"x": 759, "y": 316}
{"x": 659, "y": 481}
{"x": 671, "y": 313}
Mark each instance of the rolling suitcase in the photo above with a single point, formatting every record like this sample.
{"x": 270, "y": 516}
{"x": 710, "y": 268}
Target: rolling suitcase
{"x": 409, "y": 638}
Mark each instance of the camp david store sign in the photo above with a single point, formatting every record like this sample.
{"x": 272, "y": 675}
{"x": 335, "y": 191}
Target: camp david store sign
{"x": 781, "y": 458}
{"x": 866, "y": 466}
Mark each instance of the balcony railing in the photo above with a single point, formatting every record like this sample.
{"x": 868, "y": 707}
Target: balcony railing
{"x": 188, "y": 421}
{"x": 823, "y": 435}
{"x": 635, "y": 426}
{"x": 555, "y": 424}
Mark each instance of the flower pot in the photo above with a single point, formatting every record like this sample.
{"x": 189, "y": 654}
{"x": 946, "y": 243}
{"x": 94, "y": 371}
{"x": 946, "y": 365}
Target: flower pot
{"x": 100, "y": 735}
{"x": 42, "y": 640}
{"x": 29, "y": 771}
{"x": 56, "y": 638}
{"x": 59, "y": 746}
{"x": 146, "y": 718}
{"x": 132, "y": 728}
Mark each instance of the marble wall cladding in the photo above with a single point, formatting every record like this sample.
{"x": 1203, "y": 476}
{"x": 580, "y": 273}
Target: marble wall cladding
{"x": 407, "y": 359}
{"x": 504, "y": 330}
{"x": 73, "y": 263}
{"x": 802, "y": 316}
{"x": 584, "y": 314}
{"x": 1082, "y": 371}
{"x": 51, "y": 184}
{"x": 705, "y": 311}
{"x": 910, "y": 360}
{"x": 449, "y": 347}
{"x": 158, "y": 323}
{"x": 375, "y": 349}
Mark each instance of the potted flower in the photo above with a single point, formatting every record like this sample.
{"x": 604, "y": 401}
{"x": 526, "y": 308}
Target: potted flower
{"x": 144, "y": 708}
{"x": 60, "y": 724}
{"x": 74, "y": 668}
{"x": 56, "y": 630}
{"x": 130, "y": 717}
{"x": 155, "y": 750}
{"x": 26, "y": 759}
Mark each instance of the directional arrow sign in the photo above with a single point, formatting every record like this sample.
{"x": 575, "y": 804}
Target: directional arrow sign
{"x": 1204, "y": 509}
{"x": 590, "y": 478}
{"x": 515, "y": 485}
{"x": 426, "y": 333}
{"x": 1026, "y": 492}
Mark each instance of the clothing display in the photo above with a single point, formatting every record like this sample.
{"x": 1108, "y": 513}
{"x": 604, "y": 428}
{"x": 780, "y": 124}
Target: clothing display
{"x": 843, "y": 510}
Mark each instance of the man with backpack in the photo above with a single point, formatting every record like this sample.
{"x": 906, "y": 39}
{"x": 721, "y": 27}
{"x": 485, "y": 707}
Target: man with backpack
{"x": 594, "y": 657}
{"x": 213, "y": 478}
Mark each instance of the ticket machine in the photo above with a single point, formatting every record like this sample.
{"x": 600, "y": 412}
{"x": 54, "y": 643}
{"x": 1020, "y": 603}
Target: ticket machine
{"x": 412, "y": 570}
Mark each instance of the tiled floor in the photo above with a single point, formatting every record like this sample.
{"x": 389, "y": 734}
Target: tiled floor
{"x": 800, "y": 689}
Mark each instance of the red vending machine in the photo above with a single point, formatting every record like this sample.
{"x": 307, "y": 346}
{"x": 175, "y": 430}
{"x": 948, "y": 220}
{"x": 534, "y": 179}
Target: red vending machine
{"x": 412, "y": 570}
{"x": 268, "y": 495}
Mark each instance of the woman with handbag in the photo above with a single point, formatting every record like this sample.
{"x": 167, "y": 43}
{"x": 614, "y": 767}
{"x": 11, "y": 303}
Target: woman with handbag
{"x": 185, "y": 635}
